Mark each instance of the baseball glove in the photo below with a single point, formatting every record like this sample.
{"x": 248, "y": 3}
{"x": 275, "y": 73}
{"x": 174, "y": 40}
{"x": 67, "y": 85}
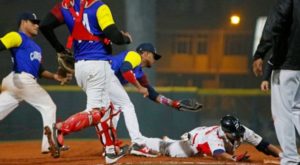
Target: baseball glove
{"x": 190, "y": 105}
{"x": 66, "y": 62}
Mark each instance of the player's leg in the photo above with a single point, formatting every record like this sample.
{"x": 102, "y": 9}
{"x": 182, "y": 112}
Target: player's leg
{"x": 296, "y": 105}
{"x": 172, "y": 148}
{"x": 36, "y": 96}
{"x": 281, "y": 98}
{"x": 8, "y": 99}
{"x": 120, "y": 99}
{"x": 94, "y": 77}
{"x": 7, "y": 104}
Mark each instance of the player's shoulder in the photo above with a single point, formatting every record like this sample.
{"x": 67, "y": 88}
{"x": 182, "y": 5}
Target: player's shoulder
{"x": 13, "y": 34}
{"x": 133, "y": 55}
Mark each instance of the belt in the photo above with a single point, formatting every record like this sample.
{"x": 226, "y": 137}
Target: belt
{"x": 22, "y": 72}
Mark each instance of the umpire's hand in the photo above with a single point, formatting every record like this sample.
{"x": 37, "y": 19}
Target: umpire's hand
{"x": 257, "y": 67}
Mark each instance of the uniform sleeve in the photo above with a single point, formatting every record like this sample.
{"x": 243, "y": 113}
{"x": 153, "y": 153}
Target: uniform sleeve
{"x": 268, "y": 70}
{"x": 11, "y": 40}
{"x": 105, "y": 17}
{"x": 52, "y": 20}
{"x": 56, "y": 11}
{"x": 133, "y": 58}
{"x": 277, "y": 22}
{"x": 107, "y": 24}
{"x": 216, "y": 146}
{"x": 251, "y": 137}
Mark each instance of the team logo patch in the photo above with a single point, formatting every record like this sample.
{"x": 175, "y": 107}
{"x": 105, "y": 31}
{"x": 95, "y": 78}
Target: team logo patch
{"x": 35, "y": 56}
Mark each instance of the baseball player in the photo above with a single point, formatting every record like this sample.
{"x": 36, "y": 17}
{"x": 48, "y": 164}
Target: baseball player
{"x": 127, "y": 66}
{"x": 92, "y": 27}
{"x": 220, "y": 141}
{"x": 21, "y": 84}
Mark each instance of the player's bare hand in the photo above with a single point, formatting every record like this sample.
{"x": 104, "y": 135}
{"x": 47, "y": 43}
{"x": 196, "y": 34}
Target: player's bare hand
{"x": 257, "y": 67}
{"x": 127, "y": 35}
{"x": 143, "y": 91}
{"x": 264, "y": 86}
{"x": 63, "y": 80}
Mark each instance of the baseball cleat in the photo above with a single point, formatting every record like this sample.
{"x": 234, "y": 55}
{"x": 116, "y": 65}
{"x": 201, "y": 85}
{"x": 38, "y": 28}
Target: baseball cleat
{"x": 143, "y": 150}
{"x": 111, "y": 158}
{"x": 54, "y": 149}
{"x": 64, "y": 148}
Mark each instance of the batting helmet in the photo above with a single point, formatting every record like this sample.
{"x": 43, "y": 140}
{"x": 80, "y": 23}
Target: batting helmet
{"x": 232, "y": 125}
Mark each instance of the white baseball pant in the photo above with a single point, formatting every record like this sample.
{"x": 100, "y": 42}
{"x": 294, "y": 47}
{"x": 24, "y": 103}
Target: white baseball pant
{"x": 97, "y": 79}
{"x": 23, "y": 86}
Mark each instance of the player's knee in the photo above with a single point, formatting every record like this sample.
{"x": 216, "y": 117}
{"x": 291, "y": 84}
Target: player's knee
{"x": 96, "y": 116}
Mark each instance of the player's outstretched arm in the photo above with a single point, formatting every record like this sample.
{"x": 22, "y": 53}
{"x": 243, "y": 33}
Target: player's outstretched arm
{"x": 109, "y": 28}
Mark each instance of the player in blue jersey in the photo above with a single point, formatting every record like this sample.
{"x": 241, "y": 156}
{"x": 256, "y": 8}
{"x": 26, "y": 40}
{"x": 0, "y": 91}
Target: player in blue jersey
{"x": 21, "y": 84}
{"x": 127, "y": 66}
{"x": 92, "y": 27}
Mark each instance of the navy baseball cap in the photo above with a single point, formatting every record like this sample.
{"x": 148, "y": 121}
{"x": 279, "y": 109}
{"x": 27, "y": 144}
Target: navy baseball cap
{"x": 150, "y": 48}
{"x": 29, "y": 16}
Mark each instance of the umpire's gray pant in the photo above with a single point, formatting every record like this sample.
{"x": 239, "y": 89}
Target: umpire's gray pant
{"x": 285, "y": 100}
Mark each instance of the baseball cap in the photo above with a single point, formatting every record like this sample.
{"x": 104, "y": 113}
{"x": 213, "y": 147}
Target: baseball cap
{"x": 29, "y": 16}
{"x": 150, "y": 48}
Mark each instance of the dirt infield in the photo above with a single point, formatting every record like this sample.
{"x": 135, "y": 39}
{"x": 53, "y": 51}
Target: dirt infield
{"x": 88, "y": 152}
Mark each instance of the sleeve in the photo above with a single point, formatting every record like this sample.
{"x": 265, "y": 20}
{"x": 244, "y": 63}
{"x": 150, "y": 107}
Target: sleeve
{"x": 251, "y": 137}
{"x": 41, "y": 70}
{"x": 276, "y": 23}
{"x": 131, "y": 61}
{"x": 268, "y": 70}
{"x": 152, "y": 93}
{"x": 52, "y": 20}
{"x": 107, "y": 24}
{"x": 216, "y": 146}
{"x": 133, "y": 58}
{"x": 105, "y": 17}
{"x": 11, "y": 40}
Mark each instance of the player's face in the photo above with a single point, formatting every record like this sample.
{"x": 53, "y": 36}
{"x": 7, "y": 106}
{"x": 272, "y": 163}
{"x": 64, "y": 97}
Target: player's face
{"x": 147, "y": 59}
{"x": 31, "y": 28}
{"x": 232, "y": 137}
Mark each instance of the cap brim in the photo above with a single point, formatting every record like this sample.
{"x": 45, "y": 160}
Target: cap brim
{"x": 35, "y": 21}
{"x": 157, "y": 56}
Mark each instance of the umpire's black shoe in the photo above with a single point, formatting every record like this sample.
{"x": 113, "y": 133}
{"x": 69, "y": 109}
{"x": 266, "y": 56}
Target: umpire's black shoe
{"x": 111, "y": 158}
{"x": 52, "y": 140}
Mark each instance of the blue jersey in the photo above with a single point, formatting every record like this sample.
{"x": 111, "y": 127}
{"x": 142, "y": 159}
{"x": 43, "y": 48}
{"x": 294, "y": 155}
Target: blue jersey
{"x": 87, "y": 50}
{"x": 27, "y": 57}
{"x": 116, "y": 63}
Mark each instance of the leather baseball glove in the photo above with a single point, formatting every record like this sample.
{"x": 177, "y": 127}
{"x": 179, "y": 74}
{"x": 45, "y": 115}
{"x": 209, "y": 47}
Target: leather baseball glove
{"x": 190, "y": 105}
{"x": 66, "y": 62}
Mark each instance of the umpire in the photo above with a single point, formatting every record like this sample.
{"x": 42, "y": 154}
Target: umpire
{"x": 282, "y": 34}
